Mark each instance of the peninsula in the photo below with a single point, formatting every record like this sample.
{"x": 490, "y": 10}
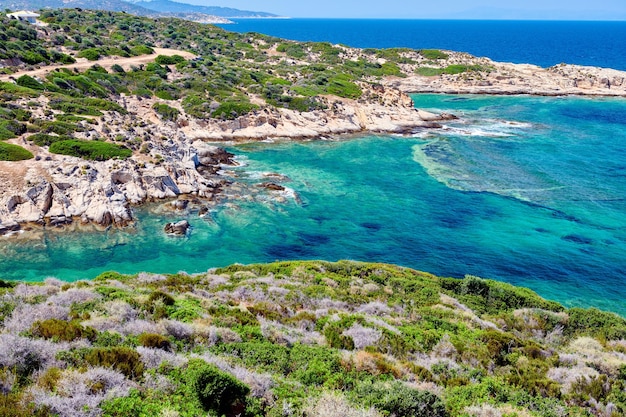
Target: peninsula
{"x": 102, "y": 111}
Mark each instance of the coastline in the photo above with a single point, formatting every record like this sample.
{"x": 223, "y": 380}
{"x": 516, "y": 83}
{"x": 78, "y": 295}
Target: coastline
{"x": 55, "y": 190}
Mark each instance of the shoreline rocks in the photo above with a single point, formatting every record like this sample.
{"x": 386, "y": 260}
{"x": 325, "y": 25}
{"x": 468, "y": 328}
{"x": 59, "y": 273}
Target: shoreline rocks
{"x": 179, "y": 228}
{"x": 175, "y": 160}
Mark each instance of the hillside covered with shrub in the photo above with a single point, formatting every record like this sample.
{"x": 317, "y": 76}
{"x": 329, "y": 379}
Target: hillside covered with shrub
{"x": 232, "y": 75}
{"x": 310, "y": 339}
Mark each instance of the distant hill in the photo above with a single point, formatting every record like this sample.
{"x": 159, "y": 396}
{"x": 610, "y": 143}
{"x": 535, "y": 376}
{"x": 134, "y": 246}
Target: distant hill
{"x": 112, "y": 5}
{"x": 176, "y": 7}
{"x": 121, "y": 6}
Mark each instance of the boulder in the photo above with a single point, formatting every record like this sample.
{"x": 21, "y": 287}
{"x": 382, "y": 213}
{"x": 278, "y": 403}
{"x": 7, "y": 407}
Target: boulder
{"x": 179, "y": 228}
{"x": 271, "y": 186}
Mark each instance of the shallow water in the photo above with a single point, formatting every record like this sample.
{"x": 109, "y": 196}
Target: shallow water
{"x": 522, "y": 189}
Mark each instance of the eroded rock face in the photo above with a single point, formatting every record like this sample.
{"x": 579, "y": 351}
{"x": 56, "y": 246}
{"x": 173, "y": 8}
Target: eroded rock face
{"x": 102, "y": 193}
{"x": 179, "y": 228}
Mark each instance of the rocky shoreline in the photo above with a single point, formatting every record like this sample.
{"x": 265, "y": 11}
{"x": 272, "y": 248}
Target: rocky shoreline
{"x": 518, "y": 79}
{"x": 57, "y": 191}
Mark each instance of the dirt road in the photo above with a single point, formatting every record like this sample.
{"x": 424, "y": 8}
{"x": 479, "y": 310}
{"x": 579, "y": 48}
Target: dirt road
{"x": 83, "y": 64}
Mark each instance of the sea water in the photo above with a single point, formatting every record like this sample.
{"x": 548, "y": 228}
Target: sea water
{"x": 543, "y": 43}
{"x": 528, "y": 190}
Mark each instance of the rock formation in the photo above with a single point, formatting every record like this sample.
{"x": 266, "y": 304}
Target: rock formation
{"x": 179, "y": 228}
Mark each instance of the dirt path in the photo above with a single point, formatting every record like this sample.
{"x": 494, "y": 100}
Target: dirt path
{"x": 83, "y": 64}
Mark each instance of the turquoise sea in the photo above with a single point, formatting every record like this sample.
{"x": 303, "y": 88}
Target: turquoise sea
{"x": 528, "y": 190}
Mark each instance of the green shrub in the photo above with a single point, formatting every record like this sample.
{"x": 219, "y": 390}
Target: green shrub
{"x": 231, "y": 110}
{"x": 217, "y": 391}
{"x": 168, "y": 60}
{"x": 494, "y": 297}
{"x": 433, "y": 54}
{"x": 29, "y": 82}
{"x": 153, "y": 340}
{"x": 141, "y": 50}
{"x": 294, "y": 50}
{"x": 159, "y": 304}
{"x": 604, "y": 325}
{"x": 428, "y": 71}
{"x": 92, "y": 150}
{"x": 334, "y": 338}
{"x": 400, "y": 400}
{"x": 92, "y": 54}
{"x": 62, "y": 330}
{"x": 108, "y": 339}
{"x": 10, "y": 152}
{"x": 124, "y": 359}
{"x": 162, "y": 297}
{"x": 166, "y": 112}
{"x": 10, "y": 129}
{"x": 341, "y": 86}
{"x": 185, "y": 310}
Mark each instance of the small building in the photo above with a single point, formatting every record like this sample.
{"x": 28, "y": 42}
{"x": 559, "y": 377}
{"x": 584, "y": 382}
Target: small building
{"x": 26, "y": 16}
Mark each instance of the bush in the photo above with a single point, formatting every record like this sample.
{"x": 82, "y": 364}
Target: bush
{"x": 9, "y": 152}
{"x": 342, "y": 86}
{"x": 91, "y": 54}
{"x": 62, "y": 330}
{"x": 169, "y": 60}
{"x": 93, "y": 150}
{"x": 141, "y": 50}
{"x": 400, "y": 400}
{"x": 10, "y": 129}
{"x": 124, "y": 359}
{"x": 166, "y": 112}
{"x": 43, "y": 139}
{"x": 231, "y": 110}
{"x": 433, "y": 54}
{"x": 29, "y": 82}
{"x": 153, "y": 340}
{"x": 216, "y": 390}
{"x": 608, "y": 326}
{"x": 429, "y": 71}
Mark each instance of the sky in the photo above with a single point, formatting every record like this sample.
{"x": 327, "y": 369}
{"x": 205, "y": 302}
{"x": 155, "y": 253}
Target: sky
{"x": 416, "y": 9}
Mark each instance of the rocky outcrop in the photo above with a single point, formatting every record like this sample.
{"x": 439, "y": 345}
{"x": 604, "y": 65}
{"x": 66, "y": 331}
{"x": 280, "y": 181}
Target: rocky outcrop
{"x": 176, "y": 161}
{"x": 489, "y": 77}
{"x": 380, "y": 109}
{"x": 71, "y": 190}
{"x": 179, "y": 228}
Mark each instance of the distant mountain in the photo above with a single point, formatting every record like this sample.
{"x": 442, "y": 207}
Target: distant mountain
{"x": 166, "y": 6}
{"x": 112, "y": 5}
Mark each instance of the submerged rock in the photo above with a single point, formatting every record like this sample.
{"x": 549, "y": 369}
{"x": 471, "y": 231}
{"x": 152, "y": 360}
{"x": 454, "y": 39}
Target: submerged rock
{"x": 272, "y": 186}
{"x": 179, "y": 228}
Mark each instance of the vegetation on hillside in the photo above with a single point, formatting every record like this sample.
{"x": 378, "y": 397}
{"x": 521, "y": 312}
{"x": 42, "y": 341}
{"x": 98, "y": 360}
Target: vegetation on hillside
{"x": 304, "y": 339}
{"x": 233, "y": 74}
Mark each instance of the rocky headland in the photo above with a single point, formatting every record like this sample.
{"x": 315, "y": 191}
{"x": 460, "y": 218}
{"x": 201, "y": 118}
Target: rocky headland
{"x": 490, "y": 77}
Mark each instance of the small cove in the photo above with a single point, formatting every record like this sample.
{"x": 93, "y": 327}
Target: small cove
{"x": 528, "y": 190}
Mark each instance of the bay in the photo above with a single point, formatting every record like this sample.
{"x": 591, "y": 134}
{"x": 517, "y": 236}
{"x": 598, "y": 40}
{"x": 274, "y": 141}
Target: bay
{"x": 528, "y": 190}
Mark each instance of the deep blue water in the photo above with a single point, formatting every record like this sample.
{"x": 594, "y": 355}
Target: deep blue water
{"x": 543, "y": 43}
{"x": 528, "y": 190}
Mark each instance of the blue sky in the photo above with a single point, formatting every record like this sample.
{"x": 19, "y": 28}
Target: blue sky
{"x": 415, "y": 9}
